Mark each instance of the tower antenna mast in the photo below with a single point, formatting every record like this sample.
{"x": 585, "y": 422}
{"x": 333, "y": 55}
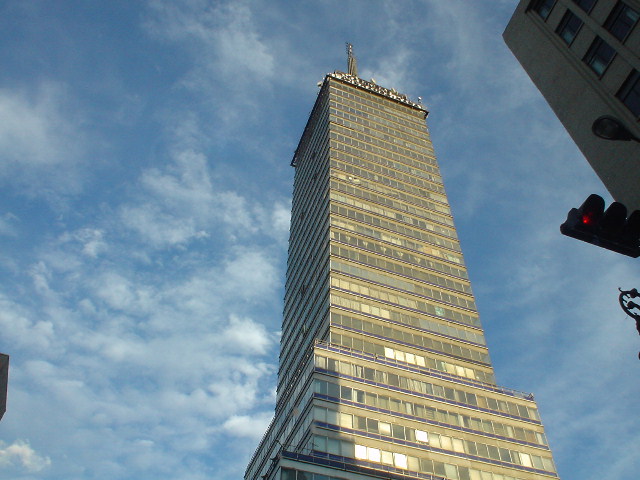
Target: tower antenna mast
{"x": 352, "y": 64}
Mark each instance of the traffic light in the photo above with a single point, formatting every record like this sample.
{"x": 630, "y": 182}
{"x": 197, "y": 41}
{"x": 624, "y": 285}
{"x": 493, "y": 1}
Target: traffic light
{"x": 610, "y": 228}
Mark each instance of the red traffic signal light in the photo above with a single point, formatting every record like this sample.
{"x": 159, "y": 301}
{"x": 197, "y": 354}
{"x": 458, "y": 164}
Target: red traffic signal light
{"x": 610, "y": 229}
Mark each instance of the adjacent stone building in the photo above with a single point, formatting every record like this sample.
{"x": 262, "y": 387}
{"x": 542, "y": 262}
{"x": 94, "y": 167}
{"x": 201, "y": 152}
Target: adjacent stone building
{"x": 584, "y": 57}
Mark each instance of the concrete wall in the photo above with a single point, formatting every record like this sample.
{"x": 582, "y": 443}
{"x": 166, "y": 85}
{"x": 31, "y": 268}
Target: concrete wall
{"x": 574, "y": 91}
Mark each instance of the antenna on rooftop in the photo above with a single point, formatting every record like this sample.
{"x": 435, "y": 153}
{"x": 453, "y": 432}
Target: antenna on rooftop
{"x": 352, "y": 64}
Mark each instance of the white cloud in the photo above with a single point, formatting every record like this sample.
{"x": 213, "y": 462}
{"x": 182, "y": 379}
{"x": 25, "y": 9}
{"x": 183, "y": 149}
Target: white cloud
{"x": 91, "y": 240}
{"x": 40, "y": 142}
{"x": 21, "y": 329}
{"x": 249, "y": 426}
{"x": 20, "y": 453}
{"x": 223, "y": 36}
{"x": 246, "y": 336}
{"x": 7, "y": 225}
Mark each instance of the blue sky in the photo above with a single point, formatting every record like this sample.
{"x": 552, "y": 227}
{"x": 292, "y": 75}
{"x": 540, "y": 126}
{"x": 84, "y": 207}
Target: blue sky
{"x": 144, "y": 209}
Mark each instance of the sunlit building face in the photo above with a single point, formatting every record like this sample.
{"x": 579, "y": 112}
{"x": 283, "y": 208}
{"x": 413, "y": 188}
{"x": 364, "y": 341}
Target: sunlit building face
{"x": 384, "y": 370}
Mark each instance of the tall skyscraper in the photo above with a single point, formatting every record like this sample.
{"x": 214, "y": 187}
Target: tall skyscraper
{"x": 384, "y": 371}
{"x": 584, "y": 57}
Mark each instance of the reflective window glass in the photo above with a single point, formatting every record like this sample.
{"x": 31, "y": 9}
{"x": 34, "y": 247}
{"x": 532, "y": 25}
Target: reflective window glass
{"x": 569, "y": 27}
{"x": 333, "y": 446}
{"x": 421, "y": 436}
{"x": 464, "y": 473}
{"x": 373, "y": 454}
{"x": 320, "y": 443}
{"x": 346, "y": 420}
{"x": 543, "y": 7}
{"x": 585, "y": 5}
{"x": 621, "y": 20}
{"x": 451, "y": 471}
{"x": 400, "y": 460}
{"x": 287, "y": 474}
{"x": 599, "y": 56}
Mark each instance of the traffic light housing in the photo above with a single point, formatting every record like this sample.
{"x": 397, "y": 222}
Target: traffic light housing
{"x": 610, "y": 228}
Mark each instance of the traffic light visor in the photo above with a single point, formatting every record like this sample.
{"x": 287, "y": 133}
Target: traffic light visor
{"x": 592, "y": 210}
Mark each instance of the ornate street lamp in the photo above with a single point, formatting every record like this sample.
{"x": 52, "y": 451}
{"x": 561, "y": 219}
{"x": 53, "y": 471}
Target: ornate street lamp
{"x": 628, "y": 306}
{"x": 610, "y": 128}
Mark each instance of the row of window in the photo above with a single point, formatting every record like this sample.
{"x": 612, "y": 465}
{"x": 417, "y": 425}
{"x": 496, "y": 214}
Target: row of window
{"x": 433, "y": 439}
{"x": 420, "y": 341}
{"x": 349, "y": 158}
{"x": 600, "y": 54}
{"x": 396, "y": 254}
{"x": 428, "y": 163}
{"x": 399, "y": 460}
{"x": 394, "y": 227}
{"x": 365, "y": 193}
{"x": 397, "y": 153}
{"x": 407, "y": 117}
{"x": 428, "y": 324}
{"x": 428, "y": 413}
{"x": 421, "y": 388}
{"x": 405, "y": 193}
{"x": 344, "y": 299}
{"x": 426, "y": 156}
{"x": 362, "y": 345}
{"x": 372, "y": 114}
{"x": 619, "y": 23}
{"x": 371, "y": 129}
{"x": 291, "y": 474}
{"x": 405, "y": 270}
{"x": 394, "y": 138}
{"x": 282, "y": 426}
{"x": 306, "y": 191}
{"x": 407, "y": 243}
{"x": 380, "y": 101}
{"x": 408, "y": 286}
{"x": 394, "y": 215}
{"x": 398, "y": 316}
{"x": 469, "y": 474}
{"x": 372, "y": 144}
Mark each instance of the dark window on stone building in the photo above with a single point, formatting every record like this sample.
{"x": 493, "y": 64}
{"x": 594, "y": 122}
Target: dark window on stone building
{"x": 542, "y": 7}
{"x": 621, "y": 20}
{"x": 629, "y": 93}
{"x": 599, "y": 56}
{"x": 569, "y": 27}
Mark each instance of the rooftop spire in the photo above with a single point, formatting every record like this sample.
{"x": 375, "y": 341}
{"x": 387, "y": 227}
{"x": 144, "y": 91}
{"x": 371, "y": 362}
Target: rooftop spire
{"x": 352, "y": 64}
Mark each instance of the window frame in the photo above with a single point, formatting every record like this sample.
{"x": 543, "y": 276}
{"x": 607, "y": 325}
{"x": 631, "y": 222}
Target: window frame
{"x": 595, "y": 52}
{"x": 630, "y": 89}
{"x": 616, "y": 18}
{"x": 539, "y": 7}
{"x": 587, "y": 9}
{"x": 565, "y": 26}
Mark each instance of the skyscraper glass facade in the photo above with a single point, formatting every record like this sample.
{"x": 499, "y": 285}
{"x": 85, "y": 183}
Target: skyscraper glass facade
{"x": 384, "y": 371}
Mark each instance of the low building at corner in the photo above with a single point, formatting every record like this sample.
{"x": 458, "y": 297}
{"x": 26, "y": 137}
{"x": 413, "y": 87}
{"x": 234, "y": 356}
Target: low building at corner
{"x": 584, "y": 57}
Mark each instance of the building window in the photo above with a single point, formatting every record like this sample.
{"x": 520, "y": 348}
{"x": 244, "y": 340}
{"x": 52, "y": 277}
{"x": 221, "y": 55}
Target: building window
{"x": 585, "y": 5}
{"x": 621, "y": 20}
{"x": 569, "y": 27}
{"x": 542, "y": 7}
{"x": 629, "y": 93}
{"x": 599, "y": 56}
